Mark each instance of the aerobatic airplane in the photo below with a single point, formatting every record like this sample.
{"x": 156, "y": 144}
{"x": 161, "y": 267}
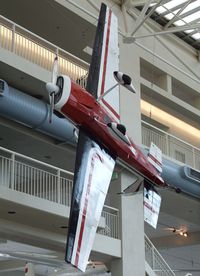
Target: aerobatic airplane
{"x": 102, "y": 139}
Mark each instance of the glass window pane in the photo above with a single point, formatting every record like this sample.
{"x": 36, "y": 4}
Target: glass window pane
{"x": 174, "y": 3}
{"x": 191, "y": 6}
{"x": 196, "y": 36}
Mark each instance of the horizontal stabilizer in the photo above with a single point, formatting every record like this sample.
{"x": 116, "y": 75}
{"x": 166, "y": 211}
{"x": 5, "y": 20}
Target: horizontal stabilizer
{"x": 152, "y": 202}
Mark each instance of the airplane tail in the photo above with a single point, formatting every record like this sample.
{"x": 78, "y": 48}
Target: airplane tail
{"x": 105, "y": 61}
{"x": 152, "y": 202}
{"x": 155, "y": 157}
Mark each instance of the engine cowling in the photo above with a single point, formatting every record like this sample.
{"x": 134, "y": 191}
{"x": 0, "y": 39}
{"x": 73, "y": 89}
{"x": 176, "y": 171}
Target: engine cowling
{"x": 61, "y": 98}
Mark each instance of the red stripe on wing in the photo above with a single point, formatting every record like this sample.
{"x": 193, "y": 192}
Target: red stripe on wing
{"x": 85, "y": 209}
{"x": 105, "y": 66}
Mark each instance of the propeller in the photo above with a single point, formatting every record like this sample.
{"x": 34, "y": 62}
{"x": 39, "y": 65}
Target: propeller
{"x": 52, "y": 88}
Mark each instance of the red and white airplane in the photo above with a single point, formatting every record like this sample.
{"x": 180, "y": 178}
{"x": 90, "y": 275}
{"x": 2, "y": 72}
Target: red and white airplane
{"x": 102, "y": 138}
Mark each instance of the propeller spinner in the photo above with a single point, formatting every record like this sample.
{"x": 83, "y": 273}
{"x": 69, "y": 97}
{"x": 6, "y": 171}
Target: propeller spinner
{"x": 52, "y": 87}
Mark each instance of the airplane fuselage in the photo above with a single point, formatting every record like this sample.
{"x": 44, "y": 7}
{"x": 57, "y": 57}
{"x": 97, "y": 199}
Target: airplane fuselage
{"x": 84, "y": 111}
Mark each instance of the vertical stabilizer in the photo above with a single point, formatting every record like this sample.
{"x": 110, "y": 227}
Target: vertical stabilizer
{"x": 155, "y": 157}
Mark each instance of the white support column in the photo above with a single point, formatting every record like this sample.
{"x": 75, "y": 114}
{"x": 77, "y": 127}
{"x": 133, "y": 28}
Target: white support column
{"x": 132, "y": 261}
{"x": 132, "y": 233}
{"x": 129, "y": 102}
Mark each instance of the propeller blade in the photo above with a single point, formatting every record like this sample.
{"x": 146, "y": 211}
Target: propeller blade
{"x": 52, "y": 97}
{"x": 55, "y": 70}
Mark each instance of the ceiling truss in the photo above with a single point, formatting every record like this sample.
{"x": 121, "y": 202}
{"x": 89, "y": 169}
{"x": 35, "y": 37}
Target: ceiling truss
{"x": 182, "y": 19}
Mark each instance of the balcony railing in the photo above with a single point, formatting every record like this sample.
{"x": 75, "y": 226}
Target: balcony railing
{"x": 27, "y": 175}
{"x": 39, "y": 51}
{"x": 171, "y": 146}
{"x": 155, "y": 260}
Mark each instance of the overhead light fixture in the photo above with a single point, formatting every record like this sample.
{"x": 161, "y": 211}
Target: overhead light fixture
{"x": 88, "y": 50}
{"x": 184, "y": 234}
{"x": 180, "y": 232}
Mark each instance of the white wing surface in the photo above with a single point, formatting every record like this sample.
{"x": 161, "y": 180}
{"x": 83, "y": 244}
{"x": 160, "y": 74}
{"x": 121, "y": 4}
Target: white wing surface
{"x": 105, "y": 60}
{"x": 94, "y": 168}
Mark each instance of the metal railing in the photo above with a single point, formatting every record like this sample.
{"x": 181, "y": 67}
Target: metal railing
{"x": 111, "y": 217}
{"x": 156, "y": 261}
{"x": 39, "y": 51}
{"x": 171, "y": 145}
{"x": 27, "y": 175}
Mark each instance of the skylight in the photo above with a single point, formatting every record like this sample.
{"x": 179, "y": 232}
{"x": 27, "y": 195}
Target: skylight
{"x": 181, "y": 13}
{"x": 170, "y": 15}
{"x": 191, "y": 6}
{"x": 196, "y": 36}
{"x": 192, "y": 17}
{"x": 174, "y": 3}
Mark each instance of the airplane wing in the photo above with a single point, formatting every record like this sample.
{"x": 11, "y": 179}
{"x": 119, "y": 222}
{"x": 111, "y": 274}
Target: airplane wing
{"x": 33, "y": 260}
{"x": 105, "y": 60}
{"x": 93, "y": 172}
{"x": 94, "y": 165}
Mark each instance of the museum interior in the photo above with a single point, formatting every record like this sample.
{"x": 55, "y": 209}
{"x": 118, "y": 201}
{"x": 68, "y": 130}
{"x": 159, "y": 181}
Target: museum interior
{"x": 159, "y": 48}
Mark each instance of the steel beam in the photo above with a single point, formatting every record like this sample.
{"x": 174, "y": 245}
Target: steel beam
{"x": 176, "y": 15}
{"x": 169, "y": 31}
